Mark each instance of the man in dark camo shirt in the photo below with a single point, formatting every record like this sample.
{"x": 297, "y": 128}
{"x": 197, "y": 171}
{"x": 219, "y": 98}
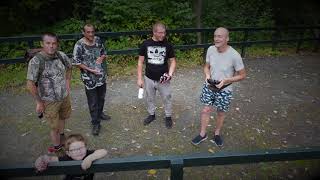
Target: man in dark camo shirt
{"x": 89, "y": 55}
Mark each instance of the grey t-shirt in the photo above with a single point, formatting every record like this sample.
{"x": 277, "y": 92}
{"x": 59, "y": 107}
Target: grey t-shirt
{"x": 223, "y": 65}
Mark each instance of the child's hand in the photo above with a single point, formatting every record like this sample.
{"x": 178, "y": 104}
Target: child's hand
{"x": 86, "y": 163}
{"x": 41, "y": 163}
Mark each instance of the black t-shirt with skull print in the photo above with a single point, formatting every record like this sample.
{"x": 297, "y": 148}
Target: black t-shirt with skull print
{"x": 156, "y": 54}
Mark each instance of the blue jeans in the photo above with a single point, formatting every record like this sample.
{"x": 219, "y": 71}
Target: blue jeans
{"x": 96, "y": 100}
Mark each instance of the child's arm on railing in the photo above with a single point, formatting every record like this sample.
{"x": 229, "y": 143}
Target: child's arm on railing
{"x": 97, "y": 154}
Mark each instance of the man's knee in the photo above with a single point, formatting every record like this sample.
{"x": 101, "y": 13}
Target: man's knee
{"x": 206, "y": 110}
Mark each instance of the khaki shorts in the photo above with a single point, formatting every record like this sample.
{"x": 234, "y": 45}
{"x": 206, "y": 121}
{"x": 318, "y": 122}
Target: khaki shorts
{"x": 57, "y": 111}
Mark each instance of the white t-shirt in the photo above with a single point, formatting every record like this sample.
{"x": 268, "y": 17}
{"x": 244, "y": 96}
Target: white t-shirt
{"x": 223, "y": 65}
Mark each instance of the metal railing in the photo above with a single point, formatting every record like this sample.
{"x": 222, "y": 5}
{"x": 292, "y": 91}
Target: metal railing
{"x": 175, "y": 163}
{"x": 243, "y": 44}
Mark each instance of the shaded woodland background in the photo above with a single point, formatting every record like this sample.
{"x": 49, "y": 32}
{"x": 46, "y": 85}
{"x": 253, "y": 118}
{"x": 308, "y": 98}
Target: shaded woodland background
{"x": 61, "y": 16}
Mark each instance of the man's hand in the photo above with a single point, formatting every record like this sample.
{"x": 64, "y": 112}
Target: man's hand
{"x": 41, "y": 163}
{"x": 222, "y": 83}
{"x": 140, "y": 83}
{"x": 101, "y": 59}
{"x": 95, "y": 71}
{"x": 86, "y": 163}
{"x": 165, "y": 78}
{"x": 40, "y": 107}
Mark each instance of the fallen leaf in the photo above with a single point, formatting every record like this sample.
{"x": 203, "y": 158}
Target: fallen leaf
{"x": 211, "y": 150}
{"x": 152, "y": 172}
{"x": 26, "y": 133}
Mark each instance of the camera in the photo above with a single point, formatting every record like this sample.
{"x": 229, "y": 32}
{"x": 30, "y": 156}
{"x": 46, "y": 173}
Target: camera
{"x": 213, "y": 82}
{"x": 40, "y": 115}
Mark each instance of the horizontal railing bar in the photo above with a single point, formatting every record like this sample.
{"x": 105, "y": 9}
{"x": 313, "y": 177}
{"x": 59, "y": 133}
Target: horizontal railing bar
{"x": 225, "y": 158}
{"x": 180, "y": 47}
{"x": 76, "y": 36}
{"x": 161, "y": 162}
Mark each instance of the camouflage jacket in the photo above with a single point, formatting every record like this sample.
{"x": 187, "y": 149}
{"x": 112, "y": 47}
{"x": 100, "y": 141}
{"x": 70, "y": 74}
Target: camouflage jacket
{"x": 52, "y": 80}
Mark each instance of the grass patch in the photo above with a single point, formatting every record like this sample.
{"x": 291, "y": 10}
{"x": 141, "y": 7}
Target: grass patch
{"x": 13, "y": 77}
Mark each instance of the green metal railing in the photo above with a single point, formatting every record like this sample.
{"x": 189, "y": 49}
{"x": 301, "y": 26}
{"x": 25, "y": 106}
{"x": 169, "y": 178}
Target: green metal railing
{"x": 243, "y": 44}
{"x": 175, "y": 163}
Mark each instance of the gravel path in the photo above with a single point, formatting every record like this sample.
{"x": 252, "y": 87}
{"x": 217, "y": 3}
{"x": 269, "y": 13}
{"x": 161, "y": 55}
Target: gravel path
{"x": 277, "y": 106}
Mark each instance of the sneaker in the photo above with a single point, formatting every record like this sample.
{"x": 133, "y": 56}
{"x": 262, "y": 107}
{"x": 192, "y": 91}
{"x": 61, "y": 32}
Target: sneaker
{"x": 168, "y": 122}
{"x": 217, "y": 140}
{"x": 54, "y": 149}
{"x": 149, "y": 119}
{"x": 197, "y": 140}
{"x": 105, "y": 117}
{"x": 96, "y": 129}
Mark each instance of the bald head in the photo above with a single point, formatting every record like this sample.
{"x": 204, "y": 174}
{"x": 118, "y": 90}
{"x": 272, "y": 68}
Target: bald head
{"x": 222, "y": 31}
{"x": 221, "y": 38}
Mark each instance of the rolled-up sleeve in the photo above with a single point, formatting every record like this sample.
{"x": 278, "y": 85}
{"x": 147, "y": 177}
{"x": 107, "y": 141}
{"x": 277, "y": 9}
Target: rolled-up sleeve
{"x": 33, "y": 69}
{"x": 77, "y": 55}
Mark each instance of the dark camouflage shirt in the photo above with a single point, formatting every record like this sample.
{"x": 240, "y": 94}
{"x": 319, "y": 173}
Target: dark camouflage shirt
{"x": 52, "y": 80}
{"x": 87, "y": 55}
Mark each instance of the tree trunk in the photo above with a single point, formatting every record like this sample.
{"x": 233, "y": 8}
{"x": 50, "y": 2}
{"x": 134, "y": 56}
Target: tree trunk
{"x": 198, "y": 19}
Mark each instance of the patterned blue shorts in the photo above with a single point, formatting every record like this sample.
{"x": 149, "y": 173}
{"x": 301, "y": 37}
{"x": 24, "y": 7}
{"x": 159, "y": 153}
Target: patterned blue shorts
{"x": 221, "y": 100}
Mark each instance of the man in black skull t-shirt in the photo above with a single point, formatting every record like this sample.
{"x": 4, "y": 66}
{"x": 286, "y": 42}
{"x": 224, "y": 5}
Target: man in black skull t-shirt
{"x": 160, "y": 66}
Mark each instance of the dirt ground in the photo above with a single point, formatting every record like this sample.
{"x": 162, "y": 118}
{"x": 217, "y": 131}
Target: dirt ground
{"x": 277, "y": 106}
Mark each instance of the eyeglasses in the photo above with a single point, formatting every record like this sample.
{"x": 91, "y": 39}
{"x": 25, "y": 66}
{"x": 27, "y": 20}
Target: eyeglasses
{"x": 77, "y": 149}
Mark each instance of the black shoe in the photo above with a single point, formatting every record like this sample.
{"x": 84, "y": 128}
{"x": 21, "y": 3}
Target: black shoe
{"x": 105, "y": 117}
{"x": 217, "y": 140}
{"x": 96, "y": 129}
{"x": 62, "y": 139}
{"x": 168, "y": 122}
{"x": 198, "y": 139}
{"x": 149, "y": 119}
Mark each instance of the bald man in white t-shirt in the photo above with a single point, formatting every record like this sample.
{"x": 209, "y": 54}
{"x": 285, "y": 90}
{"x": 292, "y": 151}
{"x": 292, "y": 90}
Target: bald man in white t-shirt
{"x": 223, "y": 66}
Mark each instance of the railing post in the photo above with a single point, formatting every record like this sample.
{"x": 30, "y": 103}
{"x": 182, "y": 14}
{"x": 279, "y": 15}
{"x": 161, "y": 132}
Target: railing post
{"x": 300, "y": 40}
{"x": 30, "y": 44}
{"x": 244, "y": 42}
{"x": 176, "y": 169}
{"x": 275, "y": 38}
{"x": 316, "y": 34}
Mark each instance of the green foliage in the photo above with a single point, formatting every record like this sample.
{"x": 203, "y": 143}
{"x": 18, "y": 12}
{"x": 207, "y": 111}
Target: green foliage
{"x": 120, "y": 15}
{"x": 237, "y": 13}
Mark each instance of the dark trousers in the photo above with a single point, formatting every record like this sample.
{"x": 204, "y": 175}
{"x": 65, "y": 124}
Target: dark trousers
{"x": 95, "y": 99}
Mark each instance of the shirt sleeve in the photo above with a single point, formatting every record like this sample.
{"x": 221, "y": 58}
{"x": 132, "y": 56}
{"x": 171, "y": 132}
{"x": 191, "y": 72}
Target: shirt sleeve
{"x": 103, "y": 50}
{"x": 77, "y": 54}
{"x": 208, "y": 54}
{"x": 171, "y": 53}
{"x": 142, "y": 49}
{"x": 238, "y": 63}
{"x": 65, "y": 158}
{"x": 33, "y": 69}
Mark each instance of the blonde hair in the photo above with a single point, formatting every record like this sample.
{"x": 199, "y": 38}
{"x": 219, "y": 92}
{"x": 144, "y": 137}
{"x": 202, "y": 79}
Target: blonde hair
{"x": 158, "y": 24}
{"x": 73, "y": 138}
